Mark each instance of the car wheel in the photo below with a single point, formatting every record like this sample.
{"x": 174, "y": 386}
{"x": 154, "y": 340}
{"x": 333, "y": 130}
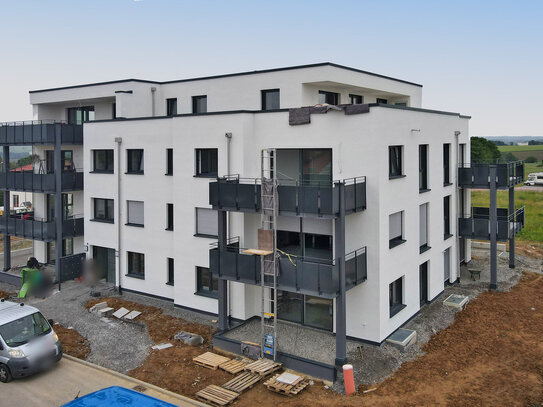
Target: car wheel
{"x": 5, "y": 375}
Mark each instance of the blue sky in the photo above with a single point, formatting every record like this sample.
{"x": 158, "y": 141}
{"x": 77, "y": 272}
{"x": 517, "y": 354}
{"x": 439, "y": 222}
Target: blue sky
{"x": 482, "y": 58}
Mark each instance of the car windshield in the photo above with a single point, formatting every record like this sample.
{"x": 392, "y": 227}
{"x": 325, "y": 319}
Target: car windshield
{"x": 23, "y": 330}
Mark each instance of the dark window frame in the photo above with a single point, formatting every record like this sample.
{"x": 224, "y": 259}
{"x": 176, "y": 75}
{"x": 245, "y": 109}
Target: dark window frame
{"x": 447, "y": 217}
{"x": 266, "y": 92}
{"x": 128, "y": 220}
{"x": 169, "y": 217}
{"x": 399, "y": 239}
{"x": 131, "y": 258}
{"x": 84, "y": 113}
{"x": 356, "y": 99}
{"x": 131, "y": 166}
{"x": 171, "y": 106}
{"x": 331, "y": 98}
{"x": 213, "y": 289}
{"x": 171, "y": 271}
{"x": 396, "y": 296}
{"x": 395, "y": 162}
{"x": 195, "y": 100}
{"x": 423, "y": 168}
{"x": 108, "y": 217}
{"x": 169, "y": 161}
{"x": 381, "y": 100}
{"x": 197, "y": 233}
{"x": 109, "y": 161}
{"x": 212, "y": 162}
{"x": 447, "y": 164}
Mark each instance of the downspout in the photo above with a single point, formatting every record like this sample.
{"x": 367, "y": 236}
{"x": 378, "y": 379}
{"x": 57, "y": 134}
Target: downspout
{"x": 228, "y": 141}
{"x": 153, "y": 90}
{"x": 119, "y": 141}
{"x": 460, "y": 207}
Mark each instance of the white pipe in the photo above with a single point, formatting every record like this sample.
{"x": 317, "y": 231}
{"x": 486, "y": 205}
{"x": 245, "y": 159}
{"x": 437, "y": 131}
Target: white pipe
{"x": 153, "y": 90}
{"x": 459, "y": 202}
{"x": 119, "y": 141}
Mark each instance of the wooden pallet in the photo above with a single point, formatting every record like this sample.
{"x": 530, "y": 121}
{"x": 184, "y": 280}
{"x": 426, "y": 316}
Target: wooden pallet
{"x": 242, "y": 382}
{"x": 233, "y": 366}
{"x": 210, "y": 360}
{"x": 287, "y": 389}
{"x": 263, "y": 367}
{"x": 217, "y": 395}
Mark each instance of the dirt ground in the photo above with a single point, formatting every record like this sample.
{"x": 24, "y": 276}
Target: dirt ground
{"x": 5, "y": 295}
{"x": 16, "y": 243}
{"x": 73, "y": 343}
{"x": 491, "y": 355}
{"x": 529, "y": 249}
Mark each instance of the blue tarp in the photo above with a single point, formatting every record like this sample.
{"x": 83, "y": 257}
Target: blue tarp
{"x": 117, "y": 396}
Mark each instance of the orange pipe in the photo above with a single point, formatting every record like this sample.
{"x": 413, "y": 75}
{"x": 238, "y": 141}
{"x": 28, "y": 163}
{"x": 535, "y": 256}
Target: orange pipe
{"x": 348, "y": 378}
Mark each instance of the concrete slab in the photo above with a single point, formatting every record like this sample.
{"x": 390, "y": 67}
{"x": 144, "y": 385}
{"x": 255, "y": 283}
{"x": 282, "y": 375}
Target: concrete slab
{"x": 132, "y": 315}
{"x": 97, "y": 307}
{"x": 402, "y": 338}
{"x": 121, "y": 312}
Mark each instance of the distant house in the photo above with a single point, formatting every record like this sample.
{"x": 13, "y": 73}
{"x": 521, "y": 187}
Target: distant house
{"x": 522, "y": 143}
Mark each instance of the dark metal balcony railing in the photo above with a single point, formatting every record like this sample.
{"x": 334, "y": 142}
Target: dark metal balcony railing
{"x": 40, "y": 229}
{"x": 478, "y": 175}
{"x": 295, "y": 198}
{"x": 477, "y": 224}
{"x": 303, "y": 275}
{"x": 30, "y": 182}
{"x": 39, "y": 132}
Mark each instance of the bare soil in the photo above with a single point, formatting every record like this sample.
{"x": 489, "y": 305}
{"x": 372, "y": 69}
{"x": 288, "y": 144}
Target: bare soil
{"x": 73, "y": 343}
{"x": 491, "y": 355}
{"x": 16, "y": 243}
{"x": 533, "y": 250}
{"x": 5, "y": 295}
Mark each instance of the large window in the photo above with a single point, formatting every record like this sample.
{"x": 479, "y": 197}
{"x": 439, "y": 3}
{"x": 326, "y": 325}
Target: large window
{"x": 207, "y": 222}
{"x": 381, "y": 100}
{"x": 395, "y": 161}
{"x": 317, "y": 166}
{"x": 170, "y": 280}
{"x": 66, "y": 158}
{"x": 78, "y": 115}
{"x": 169, "y": 161}
{"x": 103, "y": 210}
{"x": 447, "y": 216}
{"x": 356, "y": 99}
{"x": 206, "y": 162}
{"x": 136, "y": 265}
{"x": 423, "y": 226}
{"x": 199, "y": 104}
{"x": 171, "y": 107}
{"x": 270, "y": 99}
{"x": 395, "y": 229}
{"x": 135, "y": 213}
{"x": 102, "y": 161}
{"x": 67, "y": 247}
{"x": 134, "y": 161}
{"x": 395, "y": 293}
{"x": 307, "y": 245}
{"x": 67, "y": 206}
{"x": 330, "y": 98}
{"x": 206, "y": 283}
{"x": 169, "y": 216}
{"x": 423, "y": 168}
{"x": 446, "y": 164}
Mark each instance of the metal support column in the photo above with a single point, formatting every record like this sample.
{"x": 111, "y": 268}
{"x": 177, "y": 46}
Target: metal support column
{"x": 493, "y": 218}
{"x": 341, "y": 307}
{"x": 223, "y": 284}
{"x": 512, "y": 238}
{"x": 58, "y": 200}
{"x": 7, "y": 205}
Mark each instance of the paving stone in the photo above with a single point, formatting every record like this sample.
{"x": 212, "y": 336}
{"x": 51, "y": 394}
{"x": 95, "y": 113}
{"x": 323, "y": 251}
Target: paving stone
{"x": 106, "y": 312}
{"x": 121, "y": 312}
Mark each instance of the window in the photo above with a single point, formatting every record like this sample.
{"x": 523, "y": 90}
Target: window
{"x": 171, "y": 107}
{"x": 395, "y": 229}
{"x": 207, "y": 222}
{"x": 78, "y": 115}
{"x": 114, "y": 111}
{"x": 379, "y": 100}
{"x": 206, "y": 162}
{"x": 270, "y": 99}
{"x": 169, "y": 161}
{"x": 395, "y": 293}
{"x": 134, "y": 161}
{"x": 170, "y": 271}
{"x": 206, "y": 283}
{"x": 317, "y": 166}
{"x": 356, "y": 99}
{"x": 66, "y": 158}
{"x": 136, "y": 265}
{"x": 330, "y": 98}
{"x": 134, "y": 216}
{"x": 423, "y": 283}
{"x": 102, "y": 161}
{"x": 423, "y": 228}
{"x": 103, "y": 210}
{"x": 67, "y": 206}
{"x": 199, "y": 104}
{"x": 401, "y": 104}
{"x": 446, "y": 164}
{"x": 423, "y": 168}
{"x": 15, "y": 200}
{"x": 395, "y": 165}
{"x": 169, "y": 219}
{"x": 67, "y": 247}
{"x": 447, "y": 216}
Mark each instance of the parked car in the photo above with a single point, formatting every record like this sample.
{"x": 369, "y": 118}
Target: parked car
{"x": 535, "y": 178}
{"x": 117, "y": 396}
{"x": 28, "y": 343}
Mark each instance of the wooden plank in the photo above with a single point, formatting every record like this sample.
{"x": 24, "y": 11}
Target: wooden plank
{"x": 233, "y": 366}
{"x": 258, "y": 252}
{"x": 217, "y": 395}
{"x": 242, "y": 382}
{"x": 210, "y": 360}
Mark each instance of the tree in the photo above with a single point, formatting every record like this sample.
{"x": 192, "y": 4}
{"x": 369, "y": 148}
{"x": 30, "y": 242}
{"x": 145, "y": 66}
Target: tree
{"x": 530, "y": 159}
{"x": 508, "y": 156}
{"x": 483, "y": 151}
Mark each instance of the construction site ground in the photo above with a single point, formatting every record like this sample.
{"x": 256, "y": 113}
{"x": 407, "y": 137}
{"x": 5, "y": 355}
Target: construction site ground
{"x": 488, "y": 354}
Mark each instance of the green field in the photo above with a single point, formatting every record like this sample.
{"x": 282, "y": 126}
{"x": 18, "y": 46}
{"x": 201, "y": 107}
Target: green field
{"x": 523, "y": 152}
{"x": 512, "y": 149}
{"x": 531, "y": 200}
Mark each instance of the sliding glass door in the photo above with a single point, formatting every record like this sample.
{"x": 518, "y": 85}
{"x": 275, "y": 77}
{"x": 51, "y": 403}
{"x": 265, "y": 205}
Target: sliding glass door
{"x": 305, "y": 309}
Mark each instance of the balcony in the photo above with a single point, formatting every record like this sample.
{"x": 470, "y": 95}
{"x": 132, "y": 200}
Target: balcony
{"x": 42, "y": 183}
{"x": 40, "y": 132}
{"x": 477, "y": 225}
{"x": 40, "y": 229}
{"x": 310, "y": 276}
{"x": 236, "y": 194}
{"x": 478, "y": 175}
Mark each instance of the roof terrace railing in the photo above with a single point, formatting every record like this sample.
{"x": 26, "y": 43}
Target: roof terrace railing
{"x": 40, "y": 132}
{"x": 477, "y": 175}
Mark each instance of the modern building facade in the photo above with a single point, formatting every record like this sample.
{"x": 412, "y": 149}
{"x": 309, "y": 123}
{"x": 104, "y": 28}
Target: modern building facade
{"x": 369, "y": 198}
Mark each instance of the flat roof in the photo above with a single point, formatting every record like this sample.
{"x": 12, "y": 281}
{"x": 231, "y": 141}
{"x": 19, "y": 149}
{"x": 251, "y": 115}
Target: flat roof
{"x": 230, "y": 75}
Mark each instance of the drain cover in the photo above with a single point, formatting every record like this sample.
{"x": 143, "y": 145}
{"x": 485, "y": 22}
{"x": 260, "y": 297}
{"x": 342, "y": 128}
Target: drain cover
{"x": 402, "y": 338}
{"x": 456, "y": 301}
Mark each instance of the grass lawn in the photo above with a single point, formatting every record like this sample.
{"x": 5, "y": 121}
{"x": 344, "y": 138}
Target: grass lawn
{"x": 531, "y": 200}
{"x": 512, "y": 149}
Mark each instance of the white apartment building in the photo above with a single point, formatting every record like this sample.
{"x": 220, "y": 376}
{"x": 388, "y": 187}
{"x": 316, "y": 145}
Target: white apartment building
{"x": 155, "y": 154}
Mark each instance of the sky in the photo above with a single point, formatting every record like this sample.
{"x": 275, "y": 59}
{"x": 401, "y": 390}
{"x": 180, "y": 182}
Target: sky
{"x": 479, "y": 58}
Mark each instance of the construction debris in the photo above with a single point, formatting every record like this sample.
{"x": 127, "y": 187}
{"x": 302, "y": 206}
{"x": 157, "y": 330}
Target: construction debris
{"x": 161, "y": 346}
{"x": 132, "y": 315}
{"x": 189, "y": 338}
{"x": 121, "y": 312}
{"x": 105, "y": 312}
{"x": 210, "y": 360}
{"x": 97, "y": 307}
